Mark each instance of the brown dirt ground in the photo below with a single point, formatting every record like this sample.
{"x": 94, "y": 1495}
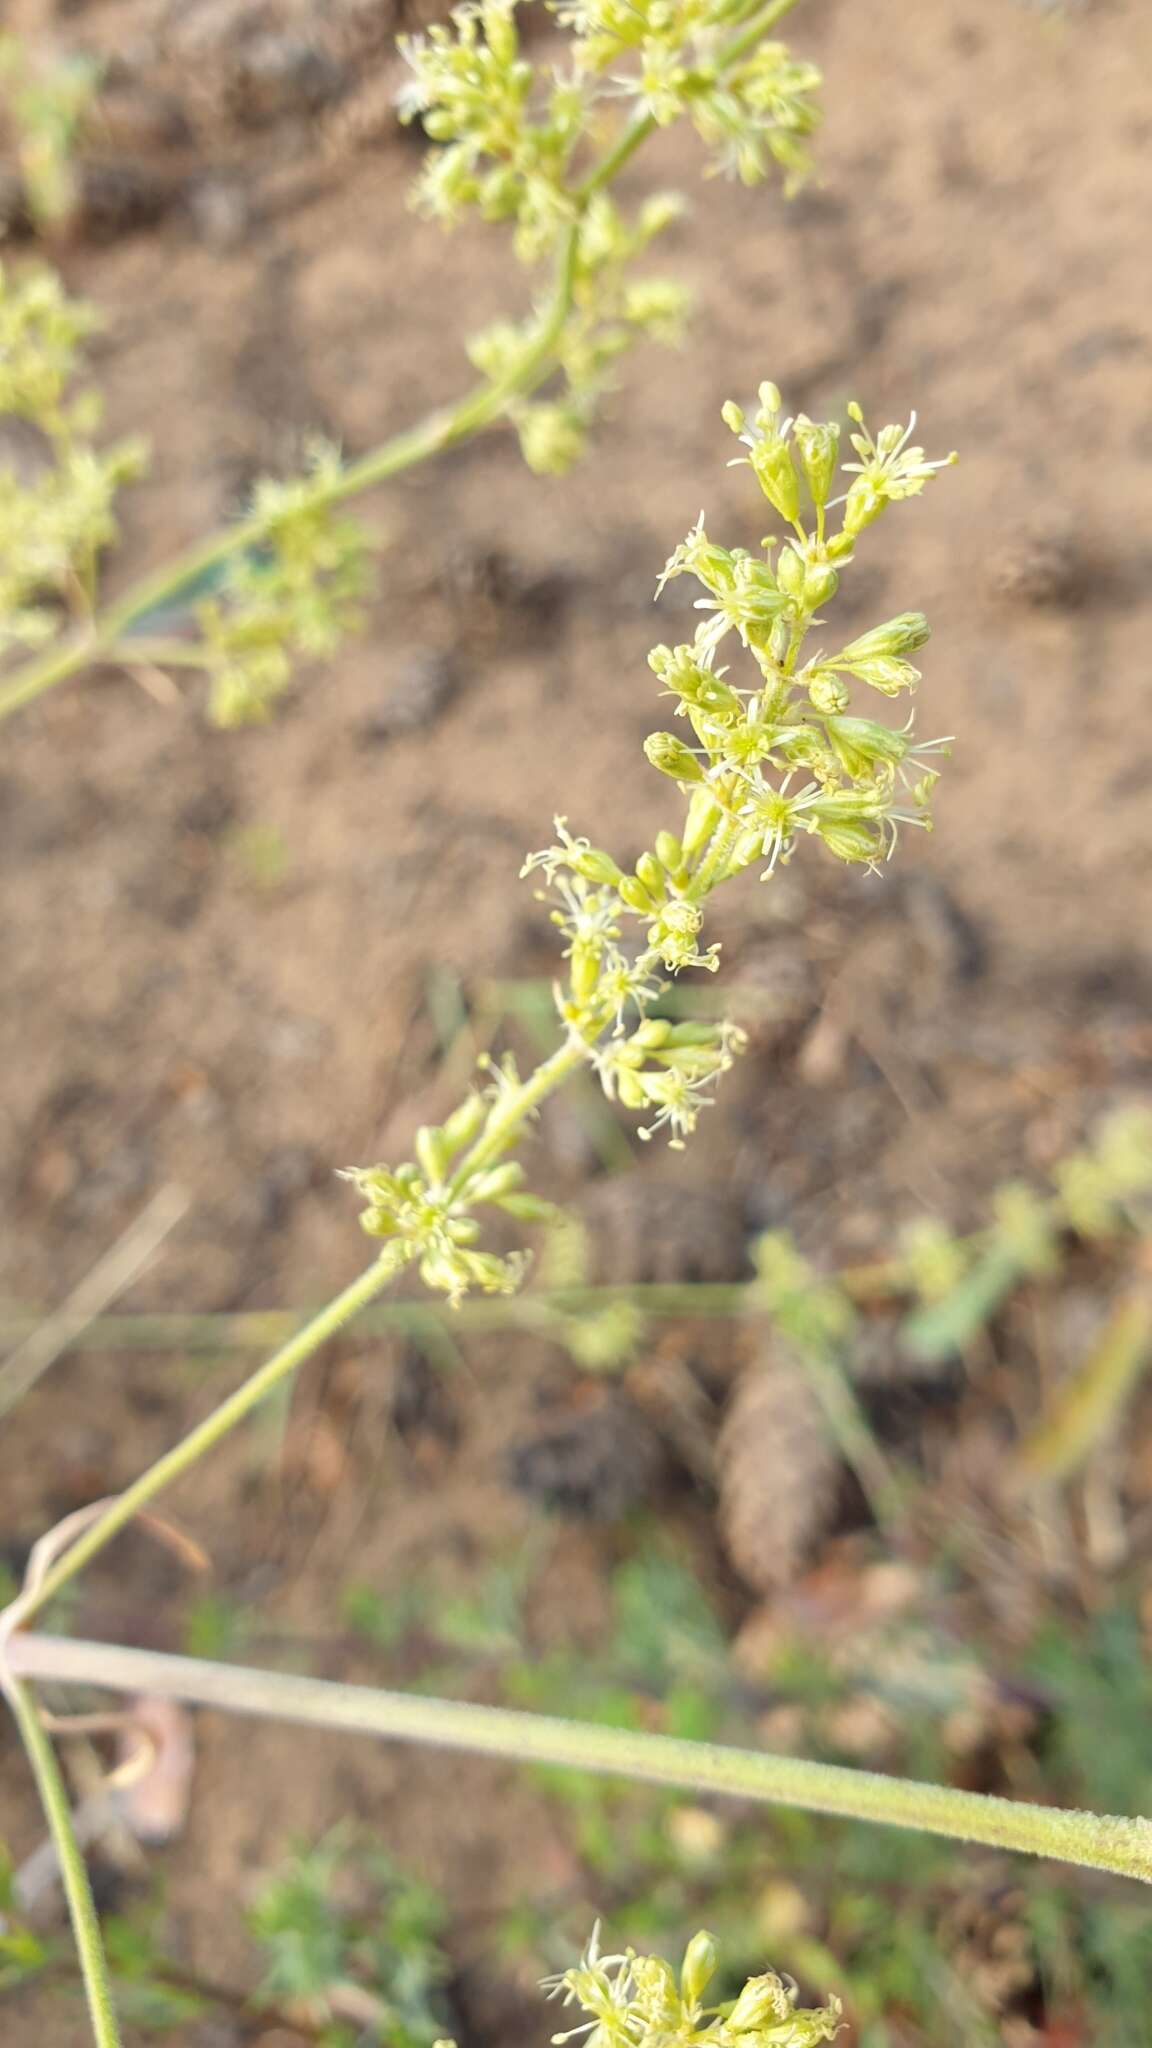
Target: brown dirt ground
{"x": 977, "y": 247}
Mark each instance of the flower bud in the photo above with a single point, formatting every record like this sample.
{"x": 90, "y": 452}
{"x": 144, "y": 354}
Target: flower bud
{"x": 808, "y": 584}
{"x": 692, "y": 1032}
{"x": 500, "y": 31}
{"x": 701, "y": 821}
{"x": 584, "y": 975}
{"x": 432, "y": 1153}
{"x": 659, "y": 212}
{"x": 771, "y": 461}
{"x": 863, "y": 504}
{"x": 669, "y": 851}
{"x": 494, "y": 1275}
{"x": 698, "y": 1968}
{"x": 594, "y": 865}
{"x": 790, "y": 574}
{"x": 653, "y": 1033}
{"x": 551, "y": 439}
{"x": 378, "y": 1223}
{"x": 526, "y": 1208}
{"x": 818, "y": 447}
{"x": 636, "y": 896}
{"x": 821, "y": 582}
{"x": 887, "y": 674}
{"x": 464, "y": 1123}
{"x": 463, "y": 1230}
{"x": 860, "y": 743}
{"x": 630, "y": 1089}
{"x": 672, "y": 757}
{"x": 747, "y": 849}
{"x": 902, "y": 635}
{"x": 651, "y": 874}
{"x": 765, "y": 2001}
{"x": 848, "y": 841}
{"x": 497, "y": 1181}
{"x": 827, "y": 693}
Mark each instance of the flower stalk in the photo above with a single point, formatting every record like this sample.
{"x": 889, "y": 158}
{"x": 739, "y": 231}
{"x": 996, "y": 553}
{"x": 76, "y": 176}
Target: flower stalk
{"x": 1092, "y": 1841}
{"x": 284, "y": 583}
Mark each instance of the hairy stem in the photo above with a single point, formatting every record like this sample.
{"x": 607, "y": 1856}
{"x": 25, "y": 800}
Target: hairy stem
{"x": 1094, "y": 1841}
{"x": 81, "y": 1907}
{"x": 507, "y": 1116}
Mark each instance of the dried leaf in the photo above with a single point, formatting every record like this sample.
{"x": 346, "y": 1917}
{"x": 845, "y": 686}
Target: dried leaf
{"x": 779, "y": 1470}
{"x": 153, "y": 1799}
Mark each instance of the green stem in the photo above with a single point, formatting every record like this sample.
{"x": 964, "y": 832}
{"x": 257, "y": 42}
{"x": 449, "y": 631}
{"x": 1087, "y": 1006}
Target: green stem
{"x": 255, "y": 1329}
{"x": 214, "y": 1427}
{"x": 81, "y": 1906}
{"x": 718, "y": 853}
{"x": 753, "y": 33}
{"x": 509, "y": 1114}
{"x": 644, "y": 125}
{"x": 441, "y": 430}
{"x": 480, "y": 408}
{"x": 1094, "y": 1841}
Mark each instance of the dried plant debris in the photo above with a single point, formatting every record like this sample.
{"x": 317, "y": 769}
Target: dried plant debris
{"x": 780, "y": 1471}
{"x": 1041, "y": 567}
{"x": 596, "y": 1463}
{"x": 987, "y": 1935}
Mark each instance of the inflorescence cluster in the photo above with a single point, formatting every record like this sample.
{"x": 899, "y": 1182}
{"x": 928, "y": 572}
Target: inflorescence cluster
{"x": 534, "y": 141}
{"x": 57, "y": 489}
{"x": 761, "y": 765}
{"x": 518, "y": 143}
{"x": 635, "y": 2001}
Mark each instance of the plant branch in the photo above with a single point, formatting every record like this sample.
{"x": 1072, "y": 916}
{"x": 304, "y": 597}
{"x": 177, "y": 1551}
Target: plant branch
{"x": 256, "y": 1329}
{"x": 81, "y": 1907}
{"x": 1097, "y": 1842}
{"x": 479, "y": 408}
{"x": 207, "y": 1434}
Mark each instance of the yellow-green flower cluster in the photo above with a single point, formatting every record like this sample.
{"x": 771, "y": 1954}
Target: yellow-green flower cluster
{"x": 638, "y": 2001}
{"x": 422, "y": 1210}
{"x": 515, "y": 144}
{"x": 626, "y": 929}
{"x": 57, "y": 490}
{"x": 790, "y": 757}
{"x": 662, "y": 55}
{"x": 292, "y": 598}
{"x": 611, "y": 308}
{"x": 508, "y": 134}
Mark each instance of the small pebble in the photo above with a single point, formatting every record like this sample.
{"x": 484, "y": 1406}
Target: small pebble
{"x": 1041, "y": 567}
{"x": 220, "y": 209}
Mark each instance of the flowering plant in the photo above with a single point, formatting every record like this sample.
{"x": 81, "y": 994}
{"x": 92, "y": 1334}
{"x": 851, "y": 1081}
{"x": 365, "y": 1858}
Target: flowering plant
{"x": 538, "y": 143}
